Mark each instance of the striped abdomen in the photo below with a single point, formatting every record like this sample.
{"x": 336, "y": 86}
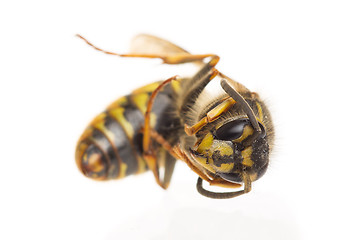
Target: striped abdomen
{"x": 111, "y": 146}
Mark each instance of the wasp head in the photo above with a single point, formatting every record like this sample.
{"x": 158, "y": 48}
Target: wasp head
{"x": 233, "y": 149}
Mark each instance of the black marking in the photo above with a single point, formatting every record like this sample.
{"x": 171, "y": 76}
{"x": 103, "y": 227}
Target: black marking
{"x": 260, "y": 156}
{"x": 195, "y": 90}
{"x": 238, "y": 158}
{"x": 219, "y": 159}
{"x": 138, "y": 143}
{"x": 261, "y": 171}
{"x": 167, "y": 123}
{"x": 122, "y": 144}
{"x": 135, "y": 117}
{"x": 105, "y": 145}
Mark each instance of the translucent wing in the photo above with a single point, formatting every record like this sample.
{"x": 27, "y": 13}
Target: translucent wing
{"x": 148, "y": 44}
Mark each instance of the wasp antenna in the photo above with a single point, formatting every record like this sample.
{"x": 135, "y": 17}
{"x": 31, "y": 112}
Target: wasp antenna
{"x": 241, "y": 101}
{"x": 222, "y": 195}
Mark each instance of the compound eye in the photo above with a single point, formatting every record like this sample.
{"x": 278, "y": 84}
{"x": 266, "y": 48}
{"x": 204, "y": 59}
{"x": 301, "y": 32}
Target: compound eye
{"x": 231, "y": 130}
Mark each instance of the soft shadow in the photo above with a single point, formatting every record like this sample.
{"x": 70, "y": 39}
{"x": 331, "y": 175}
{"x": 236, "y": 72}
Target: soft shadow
{"x": 167, "y": 222}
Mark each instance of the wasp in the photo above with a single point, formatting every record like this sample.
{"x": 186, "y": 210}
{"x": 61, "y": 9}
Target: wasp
{"x": 224, "y": 138}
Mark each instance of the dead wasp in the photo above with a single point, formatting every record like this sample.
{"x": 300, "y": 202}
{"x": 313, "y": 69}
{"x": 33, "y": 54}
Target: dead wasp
{"x": 225, "y": 138}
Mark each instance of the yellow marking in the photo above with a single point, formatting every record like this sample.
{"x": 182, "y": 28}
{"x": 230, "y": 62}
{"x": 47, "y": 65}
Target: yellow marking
{"x": 101, "y": 127}
{"x": 261, "y": 116}
{"x": 95, "y": 163}
{"x": 148, "y": 88}
{"x": 214, "y": 60}
{"x": 196, "y": 127}
{"x": 140, "y": 100}
{"x": 99, "y": 124}
{"x": 218, "y": 110}
{"x": 176, "y": 86}
{"x": 118, "y": 114}
{"x": 151, "y": 162}
{"x": 205, "y": 143}
{"x": 211, "y": 116}
{"x": 98, "y": 118}
{"x": 118, "y": 103}
{"x": 246, "y": 154}
{"x": 123, "y": 168}
{"x": 85, "y": 158}
{"x": 141, "y": 165}
{"x": 81, "y": 148}
{"x": 224, "y": 149}
{"x": 247, "y": 132}
{"x": 225, "y": 167}
{"x": 253, "y": 176}
{"x": 86, "y": 134}
{"x": 153, "y": 118}
{"x": 202, "y": 161}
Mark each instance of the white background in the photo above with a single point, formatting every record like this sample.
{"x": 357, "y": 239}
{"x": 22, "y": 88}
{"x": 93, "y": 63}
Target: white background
{"x": 303, "y": 57}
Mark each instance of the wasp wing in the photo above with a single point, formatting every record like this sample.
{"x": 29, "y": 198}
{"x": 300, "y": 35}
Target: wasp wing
{"x": 148, "y": 44}
{"x": 151, "y": 45}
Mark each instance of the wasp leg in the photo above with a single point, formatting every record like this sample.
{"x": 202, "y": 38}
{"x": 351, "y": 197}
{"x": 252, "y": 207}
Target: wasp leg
{"x": 170, "y": 158}
{"x": 204, "y": 71}
{"x": 149, "y": 154}
{"x": 169, "y": 169}
{"x": 211, "y": 116}
{"x": 181, "y": 155}
{"x": 166, "y": 163}
{"x": 193, "y": 89}
{"x": 196, "y": 85}
{"x": 207, "y": 176}
{"x": 224, "y": 195}
{"x": 215, "y": 181}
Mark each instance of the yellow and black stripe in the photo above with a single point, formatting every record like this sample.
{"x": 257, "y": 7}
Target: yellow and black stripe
{"x": 111, "y": 146}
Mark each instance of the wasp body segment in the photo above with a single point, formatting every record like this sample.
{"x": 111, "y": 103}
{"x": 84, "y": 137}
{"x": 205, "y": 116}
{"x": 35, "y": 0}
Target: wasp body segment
{"x": 225, "y": 138}
{"x": 111, "y": 146}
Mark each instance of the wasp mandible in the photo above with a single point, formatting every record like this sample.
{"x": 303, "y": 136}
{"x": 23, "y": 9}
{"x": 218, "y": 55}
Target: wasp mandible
{"x": 225, "y": 138}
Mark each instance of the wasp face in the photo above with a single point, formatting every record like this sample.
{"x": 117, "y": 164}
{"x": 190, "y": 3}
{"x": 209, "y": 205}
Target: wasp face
{"x": 230, "y": 150}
